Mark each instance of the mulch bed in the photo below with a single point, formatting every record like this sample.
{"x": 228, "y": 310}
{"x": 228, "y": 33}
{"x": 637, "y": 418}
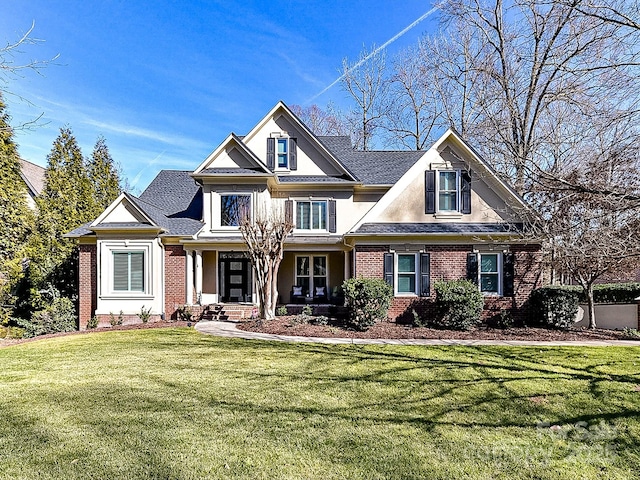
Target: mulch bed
{"x": 138, "y": 326}
{"x": 287, "y": 325}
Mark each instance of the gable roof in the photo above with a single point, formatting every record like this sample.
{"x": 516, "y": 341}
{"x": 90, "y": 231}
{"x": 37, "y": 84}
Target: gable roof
{"x": 372, "y": 167}
{"x": 236, "y": 141}
{"x": 33, "y": 175}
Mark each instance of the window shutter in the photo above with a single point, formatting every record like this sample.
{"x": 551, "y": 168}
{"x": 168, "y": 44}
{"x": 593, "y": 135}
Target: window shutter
{"x": 271, "y": 153}
{"x": 388, "y": 268}
{"x": 425, "y": 275}
{"x": 472, "y": 267}
{"x": 288, "y": 211}
{"x": 332, "y": 216}
{"x": 507, "y": 274}
{"x": 120, "y": 272}
{"x": 465, "y": 191}
{"x": 430, "y": 191}
{"x": 293, "y": 154}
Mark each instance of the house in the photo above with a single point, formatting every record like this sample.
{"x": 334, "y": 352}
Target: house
{"x": 409, "y": 217}
{"x": 34, "y": 178}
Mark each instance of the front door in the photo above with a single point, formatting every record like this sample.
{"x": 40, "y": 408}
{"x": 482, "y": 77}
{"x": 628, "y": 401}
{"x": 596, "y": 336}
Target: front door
{"x": 235, "y": 278}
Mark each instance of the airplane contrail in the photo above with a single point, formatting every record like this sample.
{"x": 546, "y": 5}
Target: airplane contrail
{"x": 381, "y": 47}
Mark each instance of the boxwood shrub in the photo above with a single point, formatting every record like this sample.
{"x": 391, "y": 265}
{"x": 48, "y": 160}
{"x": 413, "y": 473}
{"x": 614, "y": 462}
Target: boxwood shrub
{"x": 554, "y": 306}
{"x": 459, "y": 305}
{"x": 367, "y": 300}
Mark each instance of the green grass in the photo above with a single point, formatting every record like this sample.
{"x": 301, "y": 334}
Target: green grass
{"x": 171, "y": 403}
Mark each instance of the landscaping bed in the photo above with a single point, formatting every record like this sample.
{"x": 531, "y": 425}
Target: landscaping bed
{"x": 288, "y": 325}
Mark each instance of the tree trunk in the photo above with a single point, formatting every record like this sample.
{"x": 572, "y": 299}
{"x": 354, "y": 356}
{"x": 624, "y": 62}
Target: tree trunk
{"x": 591, "y": 306}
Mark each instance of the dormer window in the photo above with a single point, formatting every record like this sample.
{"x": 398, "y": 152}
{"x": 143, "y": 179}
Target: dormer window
{"x": 447, "y": 191}
{"x": 282, "y": 152}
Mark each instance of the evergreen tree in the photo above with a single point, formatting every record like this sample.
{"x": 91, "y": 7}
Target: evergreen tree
{"x": 16, "y": 219}
{"x": 104, "y": 177}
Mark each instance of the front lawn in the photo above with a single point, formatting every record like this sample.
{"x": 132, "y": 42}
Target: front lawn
{"x": 171, "y": 403}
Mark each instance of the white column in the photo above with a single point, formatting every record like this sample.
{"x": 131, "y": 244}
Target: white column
{"x": 189, "y": 293}
{"x": 199, "y": 275}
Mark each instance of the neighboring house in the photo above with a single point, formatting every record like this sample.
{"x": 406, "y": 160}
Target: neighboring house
{"x": 33, "y": 176}
{"x": 411, "y": 217}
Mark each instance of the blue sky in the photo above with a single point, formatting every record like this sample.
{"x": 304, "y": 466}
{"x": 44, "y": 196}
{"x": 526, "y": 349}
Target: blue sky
{"x": 166, "y": 81}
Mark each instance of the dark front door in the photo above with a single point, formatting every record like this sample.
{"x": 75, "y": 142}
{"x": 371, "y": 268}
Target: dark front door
{"x": 235, "y": 279}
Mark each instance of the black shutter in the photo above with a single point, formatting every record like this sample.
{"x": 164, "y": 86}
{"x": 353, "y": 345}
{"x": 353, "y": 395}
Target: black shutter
{"x": 425, "y": 275}
{"x": 271, "y": 153}
{"x": 332, "y": 216}
{"x": 388, "y": 268}
{"x": 430, "y": 191}
{"x": 293, "y": 154}
{"x": 472, "y": 267}
{"x": 507, "y": 274}
{"x": 465, "y": 191}
{"x": 288, "y": 210}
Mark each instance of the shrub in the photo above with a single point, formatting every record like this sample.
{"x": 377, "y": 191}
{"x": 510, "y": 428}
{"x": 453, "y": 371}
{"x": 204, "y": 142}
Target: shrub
{"x": 144, "y": 315}
{"x": 116, "y": 321}
{"x": 93, "y": 322}
{"x": 11, "y": 332}
{"x": 459, "y": 304}
{"x": 417, "y": 320}
{"x": 307, "y": 310}
{"x": 554, "y": 306}
{"x": 185, "y": 313}
{"x": 319, "y": 320}
{"x": 367, "y": 300}
{"x": 503, "y": 320}
{"x": 614, "y": 293}
{"x": 59, "y": 316}
{"x": 281, "y": 311}
{"x": 631, "y": 333}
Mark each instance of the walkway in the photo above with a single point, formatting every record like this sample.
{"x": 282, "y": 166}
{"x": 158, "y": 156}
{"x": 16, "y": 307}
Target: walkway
{"x": 229, "y": 329}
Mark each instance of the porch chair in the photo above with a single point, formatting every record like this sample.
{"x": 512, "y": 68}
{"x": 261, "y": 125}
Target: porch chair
{"x": 320, "y": 295}
{"x": 297, "y": 295}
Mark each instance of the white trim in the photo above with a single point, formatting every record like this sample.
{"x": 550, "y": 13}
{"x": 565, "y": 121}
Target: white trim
{"x": 219, "y": 214}
{"x": 311, "y": 258}
{"x": 456, "y": 211}
{"x": 416, "y": 274}
{"x": 310, "y": 200}
{"x": 500, "y": 272}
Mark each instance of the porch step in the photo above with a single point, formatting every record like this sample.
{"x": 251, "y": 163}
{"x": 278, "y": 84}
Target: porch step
{"x": 227, "y": 312}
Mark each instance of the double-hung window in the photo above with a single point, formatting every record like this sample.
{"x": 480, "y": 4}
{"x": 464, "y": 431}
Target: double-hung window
{"x": 283, "y": 152}
{"x": 408, "y": 273}
{"x": 234, "y": 208}
{"x": 493, "y": 272}
{"x": 490, "y": 273}
{"x": 448, "y": 191}
{"x": 128, "y": 271}
{"x": 311, "y": 215}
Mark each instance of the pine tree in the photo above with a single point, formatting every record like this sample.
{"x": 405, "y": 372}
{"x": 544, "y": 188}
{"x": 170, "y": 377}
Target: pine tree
{"x": 16, "y": 219}
{"x": 104, "y": 177}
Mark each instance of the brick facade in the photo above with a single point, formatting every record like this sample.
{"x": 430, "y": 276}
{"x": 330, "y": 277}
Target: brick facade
{"x": 449, "y": 262}
{"x": 87, "y": 284}
{"x": 175, "y": 280}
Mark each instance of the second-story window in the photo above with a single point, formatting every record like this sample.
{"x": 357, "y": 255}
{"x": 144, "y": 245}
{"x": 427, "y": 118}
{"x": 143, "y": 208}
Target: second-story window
{"x": 234, "y": 208}
{"x": 283, "y": 153}
{"x": 311, "y": 215}
{"x": 448, "y": 191}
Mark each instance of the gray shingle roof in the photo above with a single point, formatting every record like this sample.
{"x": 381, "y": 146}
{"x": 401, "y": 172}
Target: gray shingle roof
{"x": 232, "y": 171}
{"x": 173, "y": 225}
{"x": 374, "y": 167}
{"x": 311, "y": 179}
{"x": 438, "y": 228}
{"x": 174, "y": 193}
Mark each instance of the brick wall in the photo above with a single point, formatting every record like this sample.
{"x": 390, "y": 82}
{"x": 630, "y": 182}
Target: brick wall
{"x": 449, "y": 262}
{"x": 175, "y": 289}
{"x": 87, "y": 284}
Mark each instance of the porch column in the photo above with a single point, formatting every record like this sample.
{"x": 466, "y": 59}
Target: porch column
{"x": 199, "y": 276}
{"x": 189, "y": 275}
{"x": 347, "y": 273}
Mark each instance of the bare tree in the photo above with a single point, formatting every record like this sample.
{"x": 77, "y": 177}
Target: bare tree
{"x": 414, "y": 111}
{"x": 365, "y": 81}
{"x": 264, "y": 236}
{"x": 321, "y": 122}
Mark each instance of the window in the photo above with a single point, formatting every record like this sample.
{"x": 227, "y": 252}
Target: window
{"x": 128, "y": 271}
{"x": 282, "y": 152}
{"x": 408, "y": 273}
{"x": 283, "y": 155}
{"x": 233, "y": 209}
{"x": 490, "y": 273}
{"x": 311, "y": 273}
{"x": 447, "y": 191}
{"x": 311, "y": 215}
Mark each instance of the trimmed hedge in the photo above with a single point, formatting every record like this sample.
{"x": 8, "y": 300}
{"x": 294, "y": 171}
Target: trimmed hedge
{"x": 554, "y": 306}
{"x": 459, "y": 305}
{"x": 615, "y": 292}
